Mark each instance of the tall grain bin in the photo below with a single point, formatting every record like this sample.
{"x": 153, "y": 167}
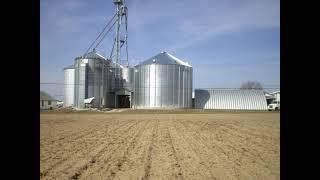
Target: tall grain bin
{"x": 69, "y": 86}
{"x": 91, "y": 79}
{"x": 163, "y": 81}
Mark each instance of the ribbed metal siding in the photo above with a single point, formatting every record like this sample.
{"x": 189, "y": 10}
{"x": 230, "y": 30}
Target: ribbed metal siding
{"x": 91, "y": 80}
{"x": 96, "y": 81}
{"x": 163, "y": 86}
{"x": 80, "y": 81}
{"x": 230, "y": 99}
{"x": 128, "y": 78}
{"x": 69, "y": 87}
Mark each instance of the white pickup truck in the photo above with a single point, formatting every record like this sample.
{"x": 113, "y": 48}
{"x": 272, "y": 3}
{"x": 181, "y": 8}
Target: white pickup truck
{"x": 274, "y": 106}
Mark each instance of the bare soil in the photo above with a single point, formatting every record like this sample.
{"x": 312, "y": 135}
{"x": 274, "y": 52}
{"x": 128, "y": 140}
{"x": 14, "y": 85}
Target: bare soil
{"x": 217, "y": 145}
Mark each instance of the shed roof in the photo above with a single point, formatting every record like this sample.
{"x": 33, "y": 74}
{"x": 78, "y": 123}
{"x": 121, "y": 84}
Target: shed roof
{"x": 88, "y": 100}
{"x": 45, "y": 96}
{"x": 275, "y": 92}
{"x": 164, "y": 58}
{"x": 230, "y": 99}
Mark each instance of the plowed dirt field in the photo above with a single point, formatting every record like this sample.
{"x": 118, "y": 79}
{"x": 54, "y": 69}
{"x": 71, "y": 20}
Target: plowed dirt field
{"x": 160, "y": 146}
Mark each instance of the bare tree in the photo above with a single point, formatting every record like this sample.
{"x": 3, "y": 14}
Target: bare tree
{"x": 251, "y": 85}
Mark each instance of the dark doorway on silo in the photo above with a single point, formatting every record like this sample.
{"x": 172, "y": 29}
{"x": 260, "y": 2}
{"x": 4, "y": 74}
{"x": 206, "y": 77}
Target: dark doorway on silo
{"x": 193, "y": 105}
{"x": 123, "y": 101}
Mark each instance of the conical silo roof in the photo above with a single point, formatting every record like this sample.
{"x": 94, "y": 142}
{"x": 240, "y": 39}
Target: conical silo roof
{"x": 164, "y": 58}
{"x": 94, "y": 55}
{"x": 69, "y": 67}
{"x": 91, "y": 55}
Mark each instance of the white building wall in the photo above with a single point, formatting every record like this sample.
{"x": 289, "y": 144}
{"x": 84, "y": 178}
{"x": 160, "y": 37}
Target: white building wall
{"x": 277, "y": 97}
{"x": 45, "y": 104}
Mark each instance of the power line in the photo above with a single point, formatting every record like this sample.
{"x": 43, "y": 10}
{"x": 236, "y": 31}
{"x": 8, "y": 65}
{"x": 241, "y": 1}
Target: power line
{"x": 53, "y": 83}
{"x": 105, "y": 34}
{"x": 101, "y": 33}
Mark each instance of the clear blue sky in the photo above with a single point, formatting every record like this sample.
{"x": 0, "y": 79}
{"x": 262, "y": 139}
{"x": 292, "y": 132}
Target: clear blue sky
{"x": 227, "y": 42}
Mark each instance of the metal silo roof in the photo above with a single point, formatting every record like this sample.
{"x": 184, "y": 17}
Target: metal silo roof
{"x": 94, "y": 54}
{"x": 69, "y": 67}
{"x": 164, "y": 58}
{"x": 91, "y": 55}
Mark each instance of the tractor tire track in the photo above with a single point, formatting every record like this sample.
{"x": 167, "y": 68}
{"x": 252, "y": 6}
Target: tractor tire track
{"x": 79, "y": 151}
{"x": 108, "y": 162}
{"x": 160, "y": 146}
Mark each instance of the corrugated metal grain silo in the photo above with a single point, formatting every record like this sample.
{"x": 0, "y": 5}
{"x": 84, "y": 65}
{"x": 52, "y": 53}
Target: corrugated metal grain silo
{"x": 163, "y": 81}
{"x": 69, "y": 86}
{"x": 230, "y": 99}
{"x": 91, "y": 79}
